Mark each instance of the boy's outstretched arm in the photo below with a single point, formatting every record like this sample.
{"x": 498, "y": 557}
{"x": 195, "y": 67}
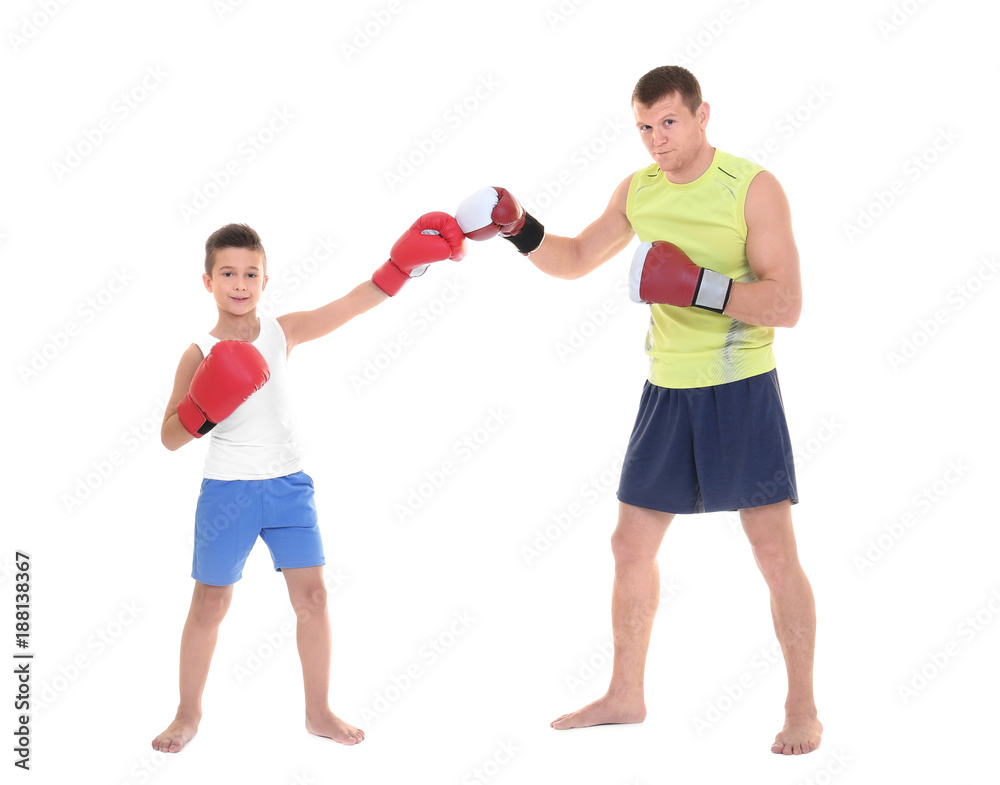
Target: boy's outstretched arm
{"x": 303, "y": 326}
{"x": 432, "y": 238}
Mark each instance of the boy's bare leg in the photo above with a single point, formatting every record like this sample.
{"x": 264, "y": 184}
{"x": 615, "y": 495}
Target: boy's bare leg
{"x": 308, "y": 595}
{"x": 634, "y": 601}
{"x": 201, "y": 630}
{"x": 772, "y": 538}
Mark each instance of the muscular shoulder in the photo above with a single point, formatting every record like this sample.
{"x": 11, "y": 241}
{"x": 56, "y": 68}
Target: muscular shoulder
{"x": 765, "y": 199}
{"x": 620, "y": 196}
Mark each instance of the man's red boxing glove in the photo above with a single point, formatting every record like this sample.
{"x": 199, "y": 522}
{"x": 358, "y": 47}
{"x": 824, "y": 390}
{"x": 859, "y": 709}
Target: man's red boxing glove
{"x": 662, "y": 273}
{"x": 434, "y": 237}
{"x": 492, "y": 211}
{"x": 232, "y": 372}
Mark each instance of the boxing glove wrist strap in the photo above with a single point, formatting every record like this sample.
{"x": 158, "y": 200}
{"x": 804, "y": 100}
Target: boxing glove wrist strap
{"x": 389, "y": 278}
{"x": 530, "y": 236}
{"x": 192, "y": 418}
{"x": 713, "y": 291}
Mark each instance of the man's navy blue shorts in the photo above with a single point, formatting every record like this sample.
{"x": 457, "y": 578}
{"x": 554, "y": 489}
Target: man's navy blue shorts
{"x": 709, "y": 449}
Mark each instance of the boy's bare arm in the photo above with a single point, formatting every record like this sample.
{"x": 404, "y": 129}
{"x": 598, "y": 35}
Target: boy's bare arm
{"x": 172, "y": 433}
{"x": 574, "y": 257}
{"x": 303, "y": 326}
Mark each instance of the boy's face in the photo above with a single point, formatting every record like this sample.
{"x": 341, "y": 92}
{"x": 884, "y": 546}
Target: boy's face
{"x": 237, "y": 281}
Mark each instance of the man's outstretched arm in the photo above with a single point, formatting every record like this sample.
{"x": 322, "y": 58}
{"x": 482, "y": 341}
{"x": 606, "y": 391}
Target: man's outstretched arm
{"x": 561, "y": 257}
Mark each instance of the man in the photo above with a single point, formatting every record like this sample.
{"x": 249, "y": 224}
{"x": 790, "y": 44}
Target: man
{"x": 719, "y": 265}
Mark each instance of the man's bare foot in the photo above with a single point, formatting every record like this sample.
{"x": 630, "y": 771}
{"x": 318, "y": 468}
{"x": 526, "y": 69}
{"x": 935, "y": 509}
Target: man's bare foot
{"x": 603, "y": 711}
{"x": 330, "y": 726}
{"x": 800, "y": 735}
{"x": 178, "y": 733}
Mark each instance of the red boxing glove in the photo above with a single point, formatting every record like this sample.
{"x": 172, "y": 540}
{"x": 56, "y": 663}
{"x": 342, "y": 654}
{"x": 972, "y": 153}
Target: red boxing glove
{"x": 662, "y": 273}
{"x": 434, "y": 237}
{"x": 493, "y": 211}
{"x": 232, "y": 372}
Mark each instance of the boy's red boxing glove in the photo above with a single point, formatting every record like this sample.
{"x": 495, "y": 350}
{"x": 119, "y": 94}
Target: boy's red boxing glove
{"x": 434, "y": 237}
{"x": 232, "y": 372}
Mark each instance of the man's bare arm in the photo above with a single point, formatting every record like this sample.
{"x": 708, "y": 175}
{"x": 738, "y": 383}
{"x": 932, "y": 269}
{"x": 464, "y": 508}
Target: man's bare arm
{"x": 574, "y": 257}
{"x": 775, "y": 298}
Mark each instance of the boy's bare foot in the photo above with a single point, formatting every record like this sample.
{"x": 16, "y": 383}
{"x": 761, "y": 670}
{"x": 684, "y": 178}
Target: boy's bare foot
{"x": 331, "y": 726}
{"x": 800, "y": 735}
{"x": 603, "y": 711}
{"x": 178, "y": 733}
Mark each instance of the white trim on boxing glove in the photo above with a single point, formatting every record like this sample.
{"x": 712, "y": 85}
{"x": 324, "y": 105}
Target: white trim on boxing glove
{"x": 635, "y": 272}
{"x": 475, "y": 208}
{"x": 713, "y": 290}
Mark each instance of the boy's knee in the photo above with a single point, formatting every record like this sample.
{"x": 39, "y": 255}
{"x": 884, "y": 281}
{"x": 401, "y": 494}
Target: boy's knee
{"x": 310, "y": 601}
{"x": 210, "y": 605}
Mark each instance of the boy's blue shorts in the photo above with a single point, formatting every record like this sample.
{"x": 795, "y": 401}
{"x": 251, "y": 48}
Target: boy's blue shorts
{"x": 231, "y": 514}
{"x": 709, "y": 449}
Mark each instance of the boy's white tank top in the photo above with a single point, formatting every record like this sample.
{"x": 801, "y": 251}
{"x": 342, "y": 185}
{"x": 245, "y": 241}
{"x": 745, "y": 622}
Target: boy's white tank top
{"x": 258, "y": 440}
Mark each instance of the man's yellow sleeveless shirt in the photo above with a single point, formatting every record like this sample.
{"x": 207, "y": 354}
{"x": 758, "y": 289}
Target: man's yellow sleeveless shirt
{"x": 692, "y": 347}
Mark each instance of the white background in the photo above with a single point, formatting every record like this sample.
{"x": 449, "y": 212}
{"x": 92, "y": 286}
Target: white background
{"x": 881, "y": 117}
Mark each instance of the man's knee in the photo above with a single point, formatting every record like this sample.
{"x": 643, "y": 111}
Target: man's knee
{"x": 628, "y": 547}
{"x": 638, "y": 535}
{"x": 775, "y": 560}
{"x": 775, "y": 554}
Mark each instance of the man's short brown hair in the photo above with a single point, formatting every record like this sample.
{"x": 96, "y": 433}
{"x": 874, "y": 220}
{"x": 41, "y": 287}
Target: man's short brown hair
{"x": 232, "y": 236}
{"x": 667, "y": 80}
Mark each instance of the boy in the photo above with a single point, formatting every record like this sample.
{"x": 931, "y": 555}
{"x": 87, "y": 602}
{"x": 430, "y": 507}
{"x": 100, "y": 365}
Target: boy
{"x": 232, "y": 383}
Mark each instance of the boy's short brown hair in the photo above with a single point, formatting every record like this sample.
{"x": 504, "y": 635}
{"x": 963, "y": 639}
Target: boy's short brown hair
{"x": 667, "y": 80}
{"x": 232, "y": 236}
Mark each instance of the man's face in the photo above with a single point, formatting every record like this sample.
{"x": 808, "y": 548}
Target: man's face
{"x": 237, "y": 280}
{"x": 671, "y": 133}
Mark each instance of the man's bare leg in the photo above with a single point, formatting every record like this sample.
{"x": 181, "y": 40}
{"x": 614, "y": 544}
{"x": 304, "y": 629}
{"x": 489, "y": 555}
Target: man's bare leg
{"x": 634, "y": 600}
{"x": 307, "y": 592}
{"x": 201, "y": 630}
{"x": 772, "y": 538}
